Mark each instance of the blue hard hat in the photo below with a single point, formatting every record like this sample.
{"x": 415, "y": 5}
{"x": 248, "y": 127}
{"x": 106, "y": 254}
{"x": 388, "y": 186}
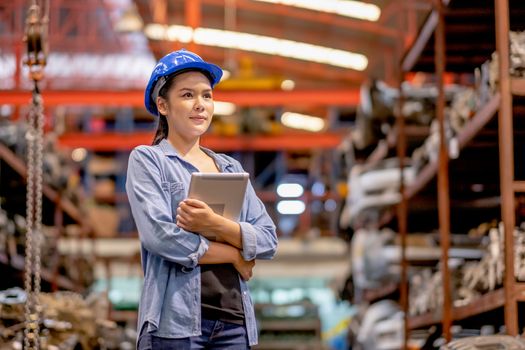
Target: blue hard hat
{"x": 172, "y": 63}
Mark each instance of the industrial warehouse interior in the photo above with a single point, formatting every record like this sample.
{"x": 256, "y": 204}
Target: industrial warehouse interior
{"x": 385, "y": 140}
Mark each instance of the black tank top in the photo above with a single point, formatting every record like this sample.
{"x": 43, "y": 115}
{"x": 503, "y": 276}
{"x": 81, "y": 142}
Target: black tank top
{"x": 221, "y": 297}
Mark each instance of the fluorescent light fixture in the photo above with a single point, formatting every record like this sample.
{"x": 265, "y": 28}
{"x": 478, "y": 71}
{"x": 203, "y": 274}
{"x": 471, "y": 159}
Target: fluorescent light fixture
{"x": 257, "y": 43}
{"x": 290, "y": 190}
{"x": 287, "y": 85}
{"x": 302, "y": 121}
{"x": 224, "y": 108}
{"x": 347, "y": 8}
{"x": 155, "y": 31}
{"x": 79, "y": 154}
{"x": 291, "y": 207}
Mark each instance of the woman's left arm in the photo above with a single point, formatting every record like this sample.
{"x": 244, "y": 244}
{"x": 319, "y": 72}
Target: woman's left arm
{"x": 255, "y": 235}
{"x": 257, "y": 230}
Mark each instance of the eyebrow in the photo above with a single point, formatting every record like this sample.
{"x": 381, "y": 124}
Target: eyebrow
{"x": 192, "y": 90}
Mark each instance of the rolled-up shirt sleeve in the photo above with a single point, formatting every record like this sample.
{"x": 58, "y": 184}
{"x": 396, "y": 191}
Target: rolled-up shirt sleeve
{"x": 153, "y": 213}
{"x": 258, "y": 232}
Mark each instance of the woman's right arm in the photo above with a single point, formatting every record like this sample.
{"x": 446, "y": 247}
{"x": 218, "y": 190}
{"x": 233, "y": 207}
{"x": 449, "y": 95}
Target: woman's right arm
{"x": 150, "y": 204}
{"x": 219, "y": 253}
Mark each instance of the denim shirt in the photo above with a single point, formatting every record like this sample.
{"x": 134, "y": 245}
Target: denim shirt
{"x": 157, "y": 180}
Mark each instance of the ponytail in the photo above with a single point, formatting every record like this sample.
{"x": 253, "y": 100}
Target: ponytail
{"x": 162, "y": 124}
{"x": 162, "y": 130}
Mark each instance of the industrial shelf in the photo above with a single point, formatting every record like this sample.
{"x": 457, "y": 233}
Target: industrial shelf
{"x": 484, "y": 303}
{"x": 429, "y": 171}
{"x": 478, "y": 121}
{"x": 371, "y": 295}
{"x": 17, "y": 261}
{"x": 517, "y": 86}
{"x": 18, "y": 165}
{"x": 487, "y": 302}
{"x": 441, "y": 47}
{"x": 423, "y": 320}
{"x": 383, "y": 147}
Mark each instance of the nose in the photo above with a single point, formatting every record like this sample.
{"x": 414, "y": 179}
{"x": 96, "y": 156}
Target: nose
{"x": 199, "y": 105}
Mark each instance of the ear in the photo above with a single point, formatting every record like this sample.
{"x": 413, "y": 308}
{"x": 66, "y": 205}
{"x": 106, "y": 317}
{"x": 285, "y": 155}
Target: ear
{"x": 162, "y": 105}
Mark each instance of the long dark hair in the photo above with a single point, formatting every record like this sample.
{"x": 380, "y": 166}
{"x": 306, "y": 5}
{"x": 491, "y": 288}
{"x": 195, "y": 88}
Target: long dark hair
{"x": 162, "y": 124}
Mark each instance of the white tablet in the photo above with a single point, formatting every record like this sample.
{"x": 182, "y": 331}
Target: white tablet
{"x": 223, "y": 192}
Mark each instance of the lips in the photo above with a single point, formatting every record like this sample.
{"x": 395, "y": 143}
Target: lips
{"x": 198, "y": 119}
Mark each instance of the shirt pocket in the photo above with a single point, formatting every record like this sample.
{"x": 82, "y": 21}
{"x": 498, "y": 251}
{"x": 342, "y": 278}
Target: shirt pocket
{"x": 176, "y": 192}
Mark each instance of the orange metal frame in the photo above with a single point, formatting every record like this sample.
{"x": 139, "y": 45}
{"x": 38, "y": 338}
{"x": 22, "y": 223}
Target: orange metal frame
{"x": 286, "y": 141}
{"x": 135, "y": 98}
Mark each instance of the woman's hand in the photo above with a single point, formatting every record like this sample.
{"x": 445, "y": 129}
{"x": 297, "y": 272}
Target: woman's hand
{"x": 244, "y": 267}
{"x": 196, "y": 216}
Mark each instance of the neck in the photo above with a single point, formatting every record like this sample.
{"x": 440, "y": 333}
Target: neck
{"x": 185, "y": 147}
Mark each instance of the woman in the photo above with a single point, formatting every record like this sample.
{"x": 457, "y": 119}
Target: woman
{"x": 195, "y": 294}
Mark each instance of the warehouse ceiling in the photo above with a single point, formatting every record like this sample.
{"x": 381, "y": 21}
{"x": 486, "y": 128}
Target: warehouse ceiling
{"x": 94, "y": 31}
{"x": 375, "y": 40}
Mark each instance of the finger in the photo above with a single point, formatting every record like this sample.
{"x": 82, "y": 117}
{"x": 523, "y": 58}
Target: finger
{"x": 194, "y": 203}
{"x": 181, "y": 221}
{"x": 186, "y": 207}
{"x": 183, "y": 215}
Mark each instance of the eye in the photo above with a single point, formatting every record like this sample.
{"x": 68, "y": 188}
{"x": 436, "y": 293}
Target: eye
{"x": 187, "y": 94}
{"x": 208, "y": 96}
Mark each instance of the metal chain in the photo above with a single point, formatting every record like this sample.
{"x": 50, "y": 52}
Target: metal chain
{"x": 34, "y": 222}
{"x": 36, "y": 38}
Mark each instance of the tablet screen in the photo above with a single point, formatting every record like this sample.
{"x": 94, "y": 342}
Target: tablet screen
{"x": 223, "y": 192}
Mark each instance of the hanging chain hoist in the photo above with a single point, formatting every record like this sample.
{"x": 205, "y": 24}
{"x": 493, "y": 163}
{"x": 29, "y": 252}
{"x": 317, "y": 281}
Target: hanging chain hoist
{"x": 36, "y": 38}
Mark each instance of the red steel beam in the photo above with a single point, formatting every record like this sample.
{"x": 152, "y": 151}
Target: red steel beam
{"x": 135, "y": 98}
{"x": 192, "y": 15}
{"x": 443, "y": 171}
{"x": 506, "y": 162}
{"x": 285, "y": 141}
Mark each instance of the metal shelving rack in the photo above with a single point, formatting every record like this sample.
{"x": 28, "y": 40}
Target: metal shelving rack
{"x": 512, "y": 291}
{"x": 62, "y": 206}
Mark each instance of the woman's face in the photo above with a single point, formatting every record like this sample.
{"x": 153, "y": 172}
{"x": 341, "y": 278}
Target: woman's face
{"x": 189, "y": 107}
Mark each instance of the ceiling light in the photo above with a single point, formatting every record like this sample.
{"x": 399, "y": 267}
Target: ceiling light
{"x": 348, "y": 8}
{"x": 179, "y": 33}
{"x": 79, "y": 154}
{"x": 290, "y": 190}
{"x": 291, "y": 207}
{"x": 224, "y": 108}
{"x": 155, "y": 31}
{"x": 287, "y": 85}
{"x": 257, "y": 43}
{"x": 302, "y": 121}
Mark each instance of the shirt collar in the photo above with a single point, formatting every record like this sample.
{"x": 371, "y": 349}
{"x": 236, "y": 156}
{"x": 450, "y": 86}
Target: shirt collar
{"x": 169, "y": 150}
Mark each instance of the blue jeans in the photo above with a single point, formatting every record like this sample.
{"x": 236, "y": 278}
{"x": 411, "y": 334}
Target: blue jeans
{"x": 216, "y": 335}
